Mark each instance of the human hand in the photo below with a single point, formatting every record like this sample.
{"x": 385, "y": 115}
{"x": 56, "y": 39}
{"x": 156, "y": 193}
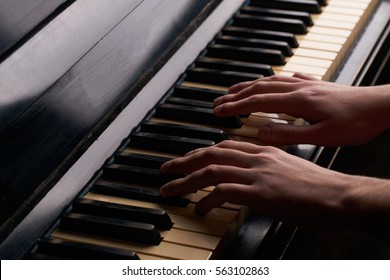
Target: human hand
{"x": 338, "y": 115}
{"x": 267, "y": 180}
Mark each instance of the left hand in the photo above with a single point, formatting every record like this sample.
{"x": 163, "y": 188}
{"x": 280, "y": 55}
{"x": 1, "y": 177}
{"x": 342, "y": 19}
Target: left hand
{"x": 267, "y": 180}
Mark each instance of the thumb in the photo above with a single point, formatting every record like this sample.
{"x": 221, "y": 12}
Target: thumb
{"x": 286, "y": 134}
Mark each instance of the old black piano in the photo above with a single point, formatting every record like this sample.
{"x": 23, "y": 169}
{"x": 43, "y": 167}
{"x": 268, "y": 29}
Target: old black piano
{"x": 94, "y": 96}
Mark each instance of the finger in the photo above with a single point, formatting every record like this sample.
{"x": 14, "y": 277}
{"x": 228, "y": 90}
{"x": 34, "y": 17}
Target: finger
{"x": 199, "y": 159}
{"x": 231, "y": 145}
{"x": 212, "y": 175}
{"x": 272, "y": 84}
{"x": 282, "y": 134}
{"x": 232, "y": 193}
{"x": 225, "y": 152}
{"x": 268, "y": 103}
{"x": 275, "y": 78}
{"x": 240, "y": 86}
{"x": 240, "y": 146}
{"x": 259, "y": 87}
{"x": 305, "y": 77}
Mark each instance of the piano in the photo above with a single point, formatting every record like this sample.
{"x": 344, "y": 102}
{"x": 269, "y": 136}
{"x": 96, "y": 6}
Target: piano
{"x": 94, "y": 97}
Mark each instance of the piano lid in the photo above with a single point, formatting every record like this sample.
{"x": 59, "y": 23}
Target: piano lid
{"x": 68, "y": 82}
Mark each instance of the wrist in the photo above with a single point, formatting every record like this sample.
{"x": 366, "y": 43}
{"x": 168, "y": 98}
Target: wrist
{"x": 367, "y": 206}
{"x": 379, "y": 97}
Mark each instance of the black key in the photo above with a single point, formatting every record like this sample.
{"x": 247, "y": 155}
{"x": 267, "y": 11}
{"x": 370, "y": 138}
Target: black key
{"x": 156, "y": 217}
{"x": 137, "y": 193}
{"x": 255, "y": 43}
{"x": 261, "y": 34}
{"x": 111, "y": 228}
{"x": 270, "y": 23}
{"x": 195, "y": 115}
{"x": 303, "y": 16}
{"x": 167, "y": 143}
{"x": 140, "y": 160}
{"x": 41, "y": 256}
{"x": 309, "y": 6}
{"x": 207, "y": 133}
{"x": 322, "y": 2}
{"x": 207, "y": 94}
{"x": 80, "y": 251}
{"x": 265, "y": 56}
{"x": 189, "y": 102}
{"x": 136, "y": 175}
{"x": 238, "y": 66}
{"x": 202, "y": 94}
{"x": 218, "y": 77}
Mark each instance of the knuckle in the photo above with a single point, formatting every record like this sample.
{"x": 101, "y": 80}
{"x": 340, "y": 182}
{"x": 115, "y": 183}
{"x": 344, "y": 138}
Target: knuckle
{"x": 300, "y": 97}
{"x": 258, "y": 86}
{"x": 275, "y": 78}
{"x": 224, "y": 144}
{"x": 206, "y": 153}
{"x": 268, "y": 150}
{"x": 254, "y": 99}
{"x": 268, "y": 153}
{"x": 211, "y": 170}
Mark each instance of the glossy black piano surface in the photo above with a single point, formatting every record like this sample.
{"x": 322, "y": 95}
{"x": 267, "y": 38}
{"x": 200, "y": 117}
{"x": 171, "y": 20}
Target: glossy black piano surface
{"x": 19, "y": 18}
{"x": 53, "y": 113}
{"x": 62, "y": 111}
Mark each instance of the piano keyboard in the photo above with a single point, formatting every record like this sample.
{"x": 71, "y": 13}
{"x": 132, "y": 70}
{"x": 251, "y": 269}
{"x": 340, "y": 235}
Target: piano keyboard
{"x": 120, "y": 214}
{"x": 323, "y": 48}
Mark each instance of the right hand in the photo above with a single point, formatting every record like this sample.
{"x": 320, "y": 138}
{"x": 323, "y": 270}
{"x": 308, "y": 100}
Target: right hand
{"x": 338, "y": 115}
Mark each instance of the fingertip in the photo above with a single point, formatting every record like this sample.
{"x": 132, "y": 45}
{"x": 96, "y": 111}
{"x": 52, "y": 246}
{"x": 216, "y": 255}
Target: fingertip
{"x": 223, "y": 110}
{"x": 217, "y": 110}
{"x": 164, "y": 190}
{"x": 218, "y": 101}
{"x": 165, "y": 166}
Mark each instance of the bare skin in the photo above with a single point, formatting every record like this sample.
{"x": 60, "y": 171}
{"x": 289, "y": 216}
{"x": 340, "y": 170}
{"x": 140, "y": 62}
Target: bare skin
{"x": 339, "y": 115}
{"x": 284, "y": 186}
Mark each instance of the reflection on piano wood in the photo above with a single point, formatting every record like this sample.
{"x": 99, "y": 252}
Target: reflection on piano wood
{"x": 120, "y": 214}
